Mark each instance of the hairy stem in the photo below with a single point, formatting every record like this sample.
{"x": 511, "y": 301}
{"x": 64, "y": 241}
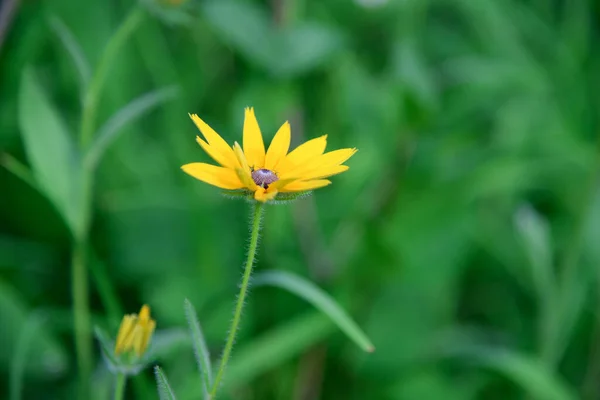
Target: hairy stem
{"x": 237, "y": 314}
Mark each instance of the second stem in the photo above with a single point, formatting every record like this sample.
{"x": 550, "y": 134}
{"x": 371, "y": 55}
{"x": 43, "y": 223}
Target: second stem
{"x": 237, "y": 314}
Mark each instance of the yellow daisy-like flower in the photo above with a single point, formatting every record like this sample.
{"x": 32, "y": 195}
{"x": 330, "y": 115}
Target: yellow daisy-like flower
{"x": 135, "y": 332}
{"x": 266, "y": 173}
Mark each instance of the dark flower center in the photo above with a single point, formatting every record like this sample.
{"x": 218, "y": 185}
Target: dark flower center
{"x": 264, "y": 177}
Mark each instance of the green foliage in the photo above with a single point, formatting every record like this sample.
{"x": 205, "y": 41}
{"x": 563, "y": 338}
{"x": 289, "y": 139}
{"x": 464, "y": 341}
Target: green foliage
{"x": 472, "y": 204}
{"x": 318, "y": 298}
{"x": 51, "y": 151}
{"x": 199, "y": 343}
{"x": 164, "y": 389}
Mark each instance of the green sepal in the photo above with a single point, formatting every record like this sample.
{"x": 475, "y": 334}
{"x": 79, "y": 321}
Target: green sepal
{"x": 281, "y": 198}
{"x": 162, "y": 344}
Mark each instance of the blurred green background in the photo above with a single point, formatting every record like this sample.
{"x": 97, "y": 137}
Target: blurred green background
{"x": 463, "y": 239}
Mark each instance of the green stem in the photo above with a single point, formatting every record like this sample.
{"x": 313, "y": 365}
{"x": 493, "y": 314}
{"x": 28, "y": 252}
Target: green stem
{"x": 120, "y": 386}
{"x": 82, "y": 319}
{"x": 237, "y": 314}
{"x": 90, "y": 104}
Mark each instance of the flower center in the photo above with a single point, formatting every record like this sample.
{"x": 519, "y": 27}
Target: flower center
{"x": 264, "y": 177}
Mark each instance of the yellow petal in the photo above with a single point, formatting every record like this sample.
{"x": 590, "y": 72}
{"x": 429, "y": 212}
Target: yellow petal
{"x": 144, "y": 340}
{"x": 218, "y": 145}
{"x": 244, "y": 170}
{"x": 279, "y": 147}
{"x": 324, "y": 172}
{"x": 216, "y": 176}
{"x": 254, "y": 148}
{"x": 301, "y": 155}
{"x": 129, "y": 340}
{"x": 214, "y": 154}
{"x": 327, "y": 160}
{"x": 299, "y": 186}
{"x": 336, "y": 157}
{"x": 263, "y": 195}
{"x": 125, "y": 330}
{"x": 281, "y": 183}
{"x": 144, "y": 315}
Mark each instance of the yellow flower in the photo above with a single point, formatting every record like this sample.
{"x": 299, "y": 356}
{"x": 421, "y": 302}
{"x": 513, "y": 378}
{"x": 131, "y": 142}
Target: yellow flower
{"x": 135, "y": 332}
{"x": 266, "y": 173}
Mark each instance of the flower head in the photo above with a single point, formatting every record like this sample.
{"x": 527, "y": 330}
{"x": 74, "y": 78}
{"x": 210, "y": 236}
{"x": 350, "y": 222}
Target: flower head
{"x": 266, "y": 173}
{"x": 135, "y": 332}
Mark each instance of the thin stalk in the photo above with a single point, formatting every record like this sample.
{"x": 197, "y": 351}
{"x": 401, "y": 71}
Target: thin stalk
{"x": 90, "y": 103}
{"x": 82, "y": 319}
{"x": 79, "y": 278}
{"x": 120, "y": 386}
{"x": 237, "y": 314}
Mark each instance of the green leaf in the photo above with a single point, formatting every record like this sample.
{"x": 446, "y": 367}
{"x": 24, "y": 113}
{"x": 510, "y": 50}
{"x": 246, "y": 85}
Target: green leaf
{"x": 171, "y": 13}
{"x": 199, "y": 343}
{"x": 107, "y": 348}
{"x": 164, "y": 389}
{"x": 74, "y": 49}
{"x": 42, "y": 355}
{"x": 535, "y": 237}
{"x": 527, "y": 372}
{"x": 22, "y": 351}
{"x": 165, "y": 342}
{"x": 272, "y": 349}
{"x": 301, "y": 49}
{"x": 287, "y": 51}
{"x": 129, "y": 113}
{"x": 318, "y": 298}
{"x": 246, "y": 26}
{"x": 20, "y": 170}
{"x": 50, "y": 150}
{"x": 277, "y": 346}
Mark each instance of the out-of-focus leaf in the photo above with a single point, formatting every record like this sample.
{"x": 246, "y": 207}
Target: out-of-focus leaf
{"x": 107, "y": 347}
{"x": 246, "y": 26}
{"x": 50, "y": 358}
{"x": 271, "y": 349}
{"x": 22, "y": 349}
{"x": 129, "y": 113}
{"x": 199, "y": 343}
{"x": 277, "y": 346}
{"x": 106, "y": 289}
{"x": 51, "y": 152}
{"x": 72, "y": 46}
{"x": 19, "y": 170}
{"x": 164, "y": 389}
{"x": 301, "y": 49}
{"x": 287, "y": 51}
{"x": 18, "y": 253}
{"x": 535, "y": 236}
{"x": 411, "y": 72}
{"x": 318, "y": 298}
{"x": 166, "y": 342}
{"x": 171, "y": 12}
{"x": 528, "y": 372}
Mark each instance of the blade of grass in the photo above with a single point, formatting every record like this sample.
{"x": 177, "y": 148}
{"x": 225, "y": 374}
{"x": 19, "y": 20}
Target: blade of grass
{"x": 270, "y": 350}
{"x": 529, "y": 373}
{"x": 50, "y": 150}
{"x": 164, "y": 389}
{"x": 199, "y": 343}
{"x": 278, "y": 346}
{"x": 20, "y": 170}
{"x": 129, "y": 113}
{"x": 19, "y": 360}
{"x": 74, "y": 49}
{"x": 318, "y": 298}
